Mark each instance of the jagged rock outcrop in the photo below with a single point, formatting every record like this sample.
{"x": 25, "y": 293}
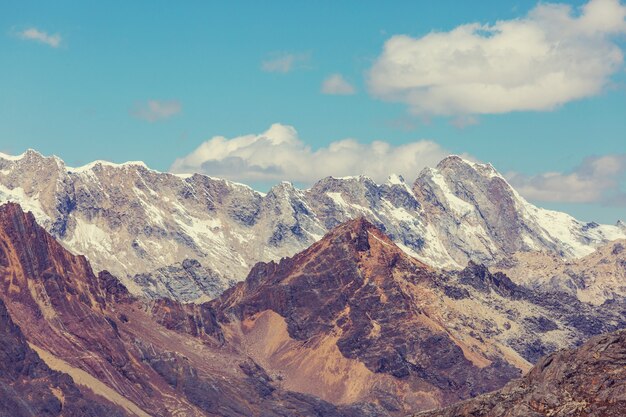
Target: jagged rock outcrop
{"x": 185, "y": 281}
{"x": 588, "y": 381}
{"x": 133, "y": 220}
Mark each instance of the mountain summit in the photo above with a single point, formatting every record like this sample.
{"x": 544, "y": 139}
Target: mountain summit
{"x": 357, "y": 314}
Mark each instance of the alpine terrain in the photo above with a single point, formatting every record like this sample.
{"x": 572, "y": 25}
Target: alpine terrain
{"x": 188, "y": 237}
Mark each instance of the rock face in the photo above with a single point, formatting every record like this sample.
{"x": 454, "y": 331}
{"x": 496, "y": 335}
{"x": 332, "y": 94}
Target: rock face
{"x": 28, "y": 387}
{"x": 404, "y": 333}
{"x": 478, "y": 216}
{"x": 589, "y": 381}
{"x": 133, "y": 220}
{"x": 185, "y": 281}
{"x": 359, "y": 291}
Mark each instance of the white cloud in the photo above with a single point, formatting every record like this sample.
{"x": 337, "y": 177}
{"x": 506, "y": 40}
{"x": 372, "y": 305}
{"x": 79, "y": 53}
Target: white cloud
{"x": 595, "y": 180}
{"x": 285, "y": 62}
{"x": 34, "y": 34}
{"x": 279, "y": 154}
{"x": 154, "y": 110}
{"x": 337, "y": 85}
{"x": 545, "y": 59}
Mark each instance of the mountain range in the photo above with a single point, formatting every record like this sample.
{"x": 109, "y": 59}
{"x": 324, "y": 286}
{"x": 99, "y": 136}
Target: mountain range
{"x": 207, "y": 233}
{"x": 380, "y": 332}
{"x": 130, "y": 292}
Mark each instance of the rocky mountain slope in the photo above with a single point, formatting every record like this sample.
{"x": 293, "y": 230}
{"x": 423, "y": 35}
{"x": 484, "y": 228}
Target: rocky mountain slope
{"x": 184, "y": 281}
{"x": 28, "y": 387}
{"x": 478, "y": 216}
{"x": 367, "y": 321}
{"x": 589, "y": 381}
{"x": 133, "y": 220}
{"x": 148, "y": 359}
{"x": 595, "y": 278}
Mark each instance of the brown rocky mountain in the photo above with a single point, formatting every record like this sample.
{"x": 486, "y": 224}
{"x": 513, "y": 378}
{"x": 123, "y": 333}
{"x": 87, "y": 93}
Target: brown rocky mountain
{"x": 148, "y": 359}
{"x": 357, "y": 314}
{"x": 352, "y": 326}
{"x": 589, "y": 381}
{"x": 370, "y": 323}
{"x": 28, "y": 387}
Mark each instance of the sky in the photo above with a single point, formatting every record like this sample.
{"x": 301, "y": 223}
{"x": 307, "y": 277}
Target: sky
{"x": 260, "y": 92}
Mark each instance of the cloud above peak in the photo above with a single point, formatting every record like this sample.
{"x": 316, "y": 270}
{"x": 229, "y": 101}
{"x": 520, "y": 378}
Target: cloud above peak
{"x": 280, "y": 154}
{"x": 34, "y": 34}
{"x": 552, "y": 56}
{"x": 595, "y": 180}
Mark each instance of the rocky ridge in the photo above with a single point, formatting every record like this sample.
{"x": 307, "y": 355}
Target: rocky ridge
{"x": 596, "y": 278}
{"x": 589, "y": 381}
{"x": 29, "y": 387}
{"x": 133, "y": 220}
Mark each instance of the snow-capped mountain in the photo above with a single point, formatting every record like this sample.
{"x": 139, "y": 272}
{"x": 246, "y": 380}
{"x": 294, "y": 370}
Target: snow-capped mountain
{"x": 478, "y": 216}
{"x": 131, "y": 220}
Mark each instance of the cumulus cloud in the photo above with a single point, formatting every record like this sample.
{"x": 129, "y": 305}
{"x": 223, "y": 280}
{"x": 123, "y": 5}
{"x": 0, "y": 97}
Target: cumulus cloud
{"x": 335, "y": 84}
{"x": 34, "y": 34}
{"x": 279, "y": 154}
{"x": 595, "y": 180}
{"x": 285, "y": 62}
{"x": 154, "y": 110}
{"x": 552, "y": 56}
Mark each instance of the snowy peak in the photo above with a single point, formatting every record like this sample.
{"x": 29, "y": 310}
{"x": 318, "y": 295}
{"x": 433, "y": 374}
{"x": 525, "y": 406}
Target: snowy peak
{"x": 100, "y": 164}
{"x": 29, "y": 153}
{"x": 132, "y": 220}
{"x": 395, "y": 179}
{"x": 456, "y": 165}
{"x": 480, "y": 217}
{"x": 472, "y": 208}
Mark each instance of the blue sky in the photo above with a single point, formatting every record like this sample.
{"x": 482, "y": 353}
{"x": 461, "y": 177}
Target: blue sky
{"x": 80, "y": 83}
